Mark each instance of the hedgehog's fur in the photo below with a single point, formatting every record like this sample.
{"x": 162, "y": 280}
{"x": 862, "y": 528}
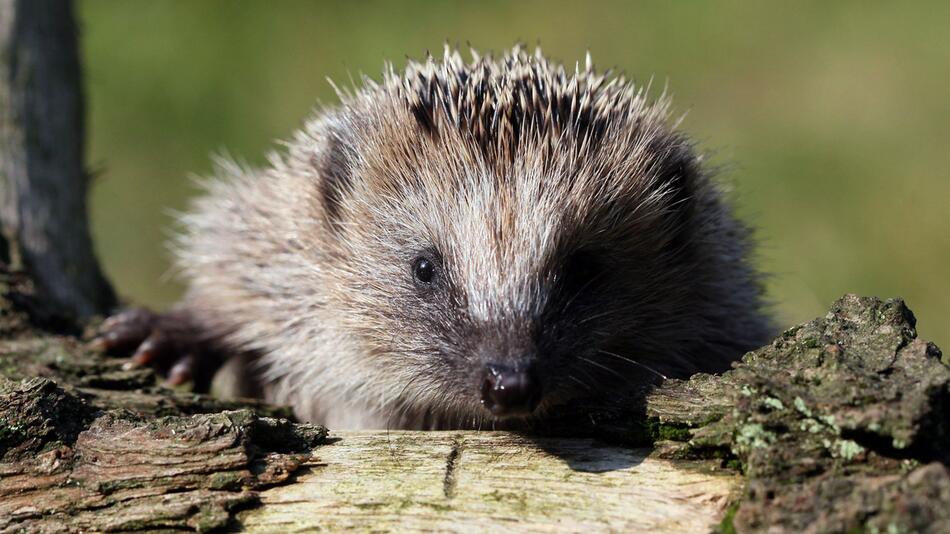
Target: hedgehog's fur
{"x": 568, "y": 219}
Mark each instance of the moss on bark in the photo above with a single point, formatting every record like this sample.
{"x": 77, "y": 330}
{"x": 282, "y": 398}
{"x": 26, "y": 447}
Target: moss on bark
{"x": 841, "y": 424}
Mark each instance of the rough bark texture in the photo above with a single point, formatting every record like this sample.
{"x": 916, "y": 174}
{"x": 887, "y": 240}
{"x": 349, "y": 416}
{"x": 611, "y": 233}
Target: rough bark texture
{"x": 43, "y": 196}
{"x": 840, "y": 425}
{"x": 89, "y": 444}
{"x": 72, "y": 469}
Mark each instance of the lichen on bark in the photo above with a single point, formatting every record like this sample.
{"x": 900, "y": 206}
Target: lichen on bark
{"x": 840, "y": 424}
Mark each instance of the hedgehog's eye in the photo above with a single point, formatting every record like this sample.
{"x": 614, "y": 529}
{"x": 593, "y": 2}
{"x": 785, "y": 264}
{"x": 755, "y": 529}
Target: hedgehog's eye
{"x": 423, "y": 270}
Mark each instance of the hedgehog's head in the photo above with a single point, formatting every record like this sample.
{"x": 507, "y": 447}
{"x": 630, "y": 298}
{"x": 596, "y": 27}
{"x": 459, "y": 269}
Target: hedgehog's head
{"x": 506, "y": 235}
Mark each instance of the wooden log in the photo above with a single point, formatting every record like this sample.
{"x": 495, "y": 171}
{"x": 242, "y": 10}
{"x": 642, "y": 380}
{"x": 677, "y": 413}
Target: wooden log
{"x": 493, "y": 482}
{"x": 838, "y": 425}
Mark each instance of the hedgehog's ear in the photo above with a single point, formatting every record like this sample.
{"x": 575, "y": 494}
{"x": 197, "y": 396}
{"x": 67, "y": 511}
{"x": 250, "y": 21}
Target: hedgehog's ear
{"x": 332, "y": 164}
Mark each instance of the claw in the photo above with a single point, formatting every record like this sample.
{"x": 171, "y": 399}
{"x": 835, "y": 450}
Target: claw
{"x": 165, "y": 342}
{"x": 181, "y": 371}
{"x": 149, "y": 349}
{"x": 143, "y": 356}
{"x": 123, "y": 332}
{"x": 98, "y": 344}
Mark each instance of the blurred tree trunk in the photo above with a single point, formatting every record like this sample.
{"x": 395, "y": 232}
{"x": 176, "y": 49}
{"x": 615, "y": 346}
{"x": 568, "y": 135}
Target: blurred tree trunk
{"x": 43, "y": 197}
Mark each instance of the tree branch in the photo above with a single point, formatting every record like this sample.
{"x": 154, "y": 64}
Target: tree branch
{"x": 43, "y": 197}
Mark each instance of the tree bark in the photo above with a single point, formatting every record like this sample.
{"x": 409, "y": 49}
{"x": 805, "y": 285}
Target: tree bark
{"x": 43, "y": 197}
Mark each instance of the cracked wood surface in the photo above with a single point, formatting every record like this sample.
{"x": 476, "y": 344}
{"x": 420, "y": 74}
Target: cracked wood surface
{"x": 492, "y": 481}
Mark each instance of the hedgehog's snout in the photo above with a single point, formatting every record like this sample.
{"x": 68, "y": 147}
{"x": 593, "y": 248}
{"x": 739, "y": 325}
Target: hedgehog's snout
{"x": 510, "y": 391}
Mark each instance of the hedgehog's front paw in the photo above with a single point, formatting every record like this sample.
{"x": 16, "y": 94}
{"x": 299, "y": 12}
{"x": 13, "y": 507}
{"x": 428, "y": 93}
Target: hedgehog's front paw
{"x": 167, "y": 342}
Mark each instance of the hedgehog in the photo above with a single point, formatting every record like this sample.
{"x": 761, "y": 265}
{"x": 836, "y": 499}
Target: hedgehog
{"x": 463, "y": 244}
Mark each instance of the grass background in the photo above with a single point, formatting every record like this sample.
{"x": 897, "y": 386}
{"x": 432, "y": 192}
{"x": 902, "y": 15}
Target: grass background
{"x": 833, "y": 119}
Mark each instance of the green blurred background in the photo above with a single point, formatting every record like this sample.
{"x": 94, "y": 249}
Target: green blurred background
{"x": 833, "y": 119}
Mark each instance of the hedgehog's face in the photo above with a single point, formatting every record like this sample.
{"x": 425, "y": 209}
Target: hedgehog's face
{"x": 484, "y": 299}
{"x": 504, "y": 244}
{"x": 494, "y": 306}
{"x": 507, "y": 334}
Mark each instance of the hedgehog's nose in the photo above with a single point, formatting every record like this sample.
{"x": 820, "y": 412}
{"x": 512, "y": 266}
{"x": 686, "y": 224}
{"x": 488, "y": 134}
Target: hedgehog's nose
{"x": 510, "y": 391}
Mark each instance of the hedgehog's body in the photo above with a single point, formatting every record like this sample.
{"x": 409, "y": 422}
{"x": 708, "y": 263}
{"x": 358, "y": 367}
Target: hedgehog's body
{"x": 471, "y": 241}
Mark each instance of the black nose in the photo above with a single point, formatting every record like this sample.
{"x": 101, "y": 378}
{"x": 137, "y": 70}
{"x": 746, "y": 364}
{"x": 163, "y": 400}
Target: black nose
{"x": 510, "y": 391}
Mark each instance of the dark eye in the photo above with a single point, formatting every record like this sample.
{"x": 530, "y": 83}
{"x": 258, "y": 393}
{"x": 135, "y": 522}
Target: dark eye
{"x": 423, "y": 270}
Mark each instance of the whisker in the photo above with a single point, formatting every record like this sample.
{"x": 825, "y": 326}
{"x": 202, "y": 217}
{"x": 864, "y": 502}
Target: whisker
{"x": 630, "y": 360}
{"x": 581, "y": 382}
{"x": 597, "y": 316}
{"x": 579, "y": 292}
{"x": 604, "y": 367}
